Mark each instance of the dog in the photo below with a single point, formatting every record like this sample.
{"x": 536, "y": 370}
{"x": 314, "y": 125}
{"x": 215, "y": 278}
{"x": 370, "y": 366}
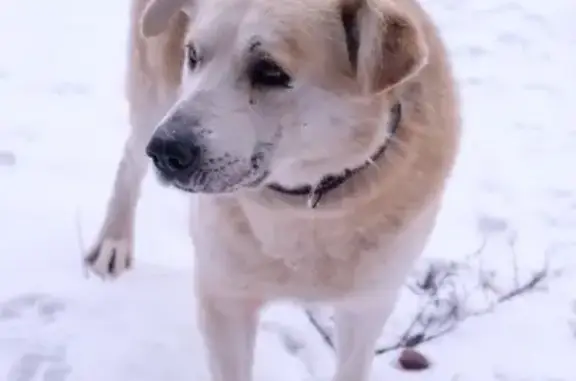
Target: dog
{"x": 317, "y": 137}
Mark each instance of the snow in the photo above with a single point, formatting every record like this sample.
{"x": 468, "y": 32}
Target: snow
{"x": 62, "y": 125}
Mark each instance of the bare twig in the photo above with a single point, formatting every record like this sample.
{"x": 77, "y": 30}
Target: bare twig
{"x": 530, "y": 285}
{"x": 415, "y": 340}
{"x": 326, "y": 337}
{"x": 444, "y": 307}
{"x": 81, "y": 242}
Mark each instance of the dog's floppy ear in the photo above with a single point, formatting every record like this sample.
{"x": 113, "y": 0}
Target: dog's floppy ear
{"x": 157, "y": 15}
{"x": 385, "y": 46}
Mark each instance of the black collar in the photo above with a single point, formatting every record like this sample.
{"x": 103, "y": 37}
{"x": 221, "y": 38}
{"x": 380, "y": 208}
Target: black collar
{"x": 331, "y": 182}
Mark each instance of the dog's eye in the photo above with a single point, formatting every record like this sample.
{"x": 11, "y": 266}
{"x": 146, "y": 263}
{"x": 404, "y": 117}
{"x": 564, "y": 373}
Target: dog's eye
{"x": 192, "y": 56}
{"x": 266, "y": 73}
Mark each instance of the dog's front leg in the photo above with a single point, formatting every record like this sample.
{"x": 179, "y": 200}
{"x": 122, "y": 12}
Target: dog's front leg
{"x": 358, "y": 327}
{"x": 111, "y": 253}
{"x": 152, "y": 86}
{"x": 228, "y": 326}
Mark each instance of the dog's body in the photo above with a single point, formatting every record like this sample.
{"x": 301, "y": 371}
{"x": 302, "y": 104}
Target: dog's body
{"x": 268, "y": 97}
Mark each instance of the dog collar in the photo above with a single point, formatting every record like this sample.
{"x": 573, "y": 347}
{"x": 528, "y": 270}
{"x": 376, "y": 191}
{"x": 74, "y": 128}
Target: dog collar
{"x": 331, "y": 182}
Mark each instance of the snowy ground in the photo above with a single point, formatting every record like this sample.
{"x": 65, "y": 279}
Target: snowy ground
{"x": 62, "y": 124}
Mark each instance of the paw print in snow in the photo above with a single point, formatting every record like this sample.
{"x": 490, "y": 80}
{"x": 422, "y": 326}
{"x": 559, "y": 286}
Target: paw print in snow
{"x": 40, "y": 367}
{"x": 7, "y": 158}
{"x": 42, "y": 306}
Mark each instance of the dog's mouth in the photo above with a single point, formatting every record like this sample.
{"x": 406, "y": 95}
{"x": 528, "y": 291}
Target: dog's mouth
{"x": 257, "y": 180}
{"x": 214, "y": 185}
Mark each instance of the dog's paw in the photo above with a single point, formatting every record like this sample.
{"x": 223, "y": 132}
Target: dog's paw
{"x": 110, "y": 258}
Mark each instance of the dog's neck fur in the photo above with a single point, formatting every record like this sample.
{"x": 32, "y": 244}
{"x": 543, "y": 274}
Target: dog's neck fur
{"x": 330, "y": 182}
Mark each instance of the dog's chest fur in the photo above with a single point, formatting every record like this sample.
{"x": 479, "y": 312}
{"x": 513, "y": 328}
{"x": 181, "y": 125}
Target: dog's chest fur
{"x": 257, "y": 252}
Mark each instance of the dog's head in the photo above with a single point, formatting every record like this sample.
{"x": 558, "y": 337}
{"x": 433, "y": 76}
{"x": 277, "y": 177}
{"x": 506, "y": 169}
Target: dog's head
{"x": 280, "y": 91}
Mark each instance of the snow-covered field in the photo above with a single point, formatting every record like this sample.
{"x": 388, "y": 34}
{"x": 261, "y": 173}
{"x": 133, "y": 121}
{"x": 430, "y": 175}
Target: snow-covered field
{"x": 62, "y": 125}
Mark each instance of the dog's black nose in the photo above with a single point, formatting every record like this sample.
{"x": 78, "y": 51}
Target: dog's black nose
{"x": 175, "y": 156}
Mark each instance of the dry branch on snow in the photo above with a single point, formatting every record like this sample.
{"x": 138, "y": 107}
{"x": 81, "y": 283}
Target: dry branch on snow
{"x": 447, "y": 293}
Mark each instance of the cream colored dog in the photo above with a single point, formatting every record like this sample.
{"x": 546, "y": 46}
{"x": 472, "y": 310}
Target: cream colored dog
{"x": 317, "y": 136}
